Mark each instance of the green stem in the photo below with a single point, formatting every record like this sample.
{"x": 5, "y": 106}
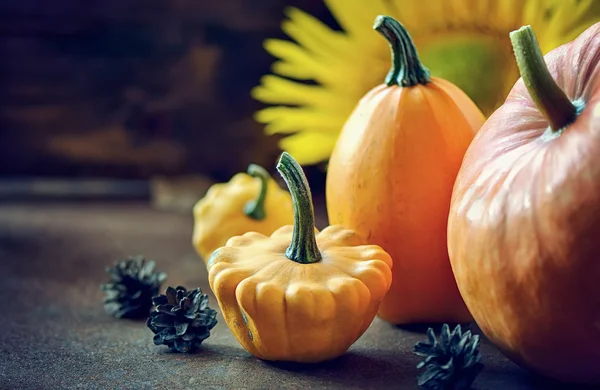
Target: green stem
{"x": 547, "y": 95}
{"x": 303, "y": 248}
{"x": 255, "y": 209}
{"x": 407, "y": 69}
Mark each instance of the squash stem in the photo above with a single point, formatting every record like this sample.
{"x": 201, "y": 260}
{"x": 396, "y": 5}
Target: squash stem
{"x": 552, "y": 102}
{"x": 303, "y": 248}
{"x": 255, "y": 209}
{"x": 407, "y": 69}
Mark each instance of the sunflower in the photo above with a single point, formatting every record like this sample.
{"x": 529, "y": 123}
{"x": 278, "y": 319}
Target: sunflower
{"x": 321, "y": 75}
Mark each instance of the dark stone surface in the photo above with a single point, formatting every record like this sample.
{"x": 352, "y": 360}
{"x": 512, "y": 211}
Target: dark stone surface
{"x": 56, "y": 335}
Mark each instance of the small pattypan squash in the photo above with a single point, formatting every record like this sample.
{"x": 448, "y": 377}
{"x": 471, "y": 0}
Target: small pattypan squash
{"x": 250, "y": 201}
{"x": 299, "y": 295}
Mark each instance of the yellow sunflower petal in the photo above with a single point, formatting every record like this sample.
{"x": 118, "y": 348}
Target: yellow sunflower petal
{"x": 568, "y": 22}
{"x": 301, "y": 59}
{"x": 274, "y": 89}
{"x": 356, "y": 18}
{"x": 293, "y": 119}
{"x": 460, "y": 13}
{"x": 296, "y": 62}
{"x": 406, "y": 14}
{"x": 316, "y": 37}
{"x": 533, "y": 11}
{"x": 330, "y": 50}
{"x": 309, "y": 148}
{"x": 291, "y": 70}
{"x": 507, "y": 12}
{"x": 435, "y": 13}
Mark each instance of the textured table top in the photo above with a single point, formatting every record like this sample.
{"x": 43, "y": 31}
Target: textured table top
{"x": 56, "y": 335}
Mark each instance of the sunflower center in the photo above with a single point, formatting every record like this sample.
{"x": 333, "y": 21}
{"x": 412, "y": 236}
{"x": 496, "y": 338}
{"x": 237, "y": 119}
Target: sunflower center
{"x": 479, "y": 63}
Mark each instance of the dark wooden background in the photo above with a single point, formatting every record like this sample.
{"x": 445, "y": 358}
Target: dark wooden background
{"x": 135, "y": 88}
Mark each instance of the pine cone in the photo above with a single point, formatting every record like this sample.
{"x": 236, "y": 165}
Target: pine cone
{"x": 133, "y": 283}
{"x": 453, "y": 363}
{"x": 182, "y": 320}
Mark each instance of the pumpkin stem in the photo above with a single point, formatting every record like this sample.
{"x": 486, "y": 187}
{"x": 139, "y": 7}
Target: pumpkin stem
{"x": 303, "y": 248}
{"x": 255, "y": 209}
{"x": 407, "y": 69}
{"x": 552, "y": 102}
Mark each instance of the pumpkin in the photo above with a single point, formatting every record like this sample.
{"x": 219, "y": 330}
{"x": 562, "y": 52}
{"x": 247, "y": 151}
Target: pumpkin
{"x": 299, "y": 295}
{"x": 391, "y": 175}
{"x": 251, "y": 201}
{"x": 524, "y": 225}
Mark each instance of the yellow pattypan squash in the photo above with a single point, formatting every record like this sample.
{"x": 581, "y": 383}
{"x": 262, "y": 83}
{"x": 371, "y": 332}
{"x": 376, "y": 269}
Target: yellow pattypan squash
{"x": 250, "y": 201}
{"x": 299, "y": 295}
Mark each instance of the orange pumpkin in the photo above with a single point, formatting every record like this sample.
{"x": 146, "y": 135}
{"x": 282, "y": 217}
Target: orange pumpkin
{"x": 524, "y": 226}
{"x": 391, "y": 174}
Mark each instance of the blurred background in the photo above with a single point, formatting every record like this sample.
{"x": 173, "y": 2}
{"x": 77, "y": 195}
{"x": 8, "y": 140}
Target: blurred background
{"x": 152, "y": 98}
{"x": 134, "y": 98}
